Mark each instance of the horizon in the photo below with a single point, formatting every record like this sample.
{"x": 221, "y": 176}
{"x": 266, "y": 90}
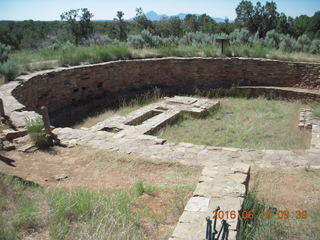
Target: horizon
{"x": 19, "y": 10}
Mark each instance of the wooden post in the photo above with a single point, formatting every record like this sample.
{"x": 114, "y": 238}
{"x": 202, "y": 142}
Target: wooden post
{"x": 46, "y": 119}
{"x": 222, "y": 42}
{"x": 2, "y": 114}
{"x": 46, "y": 123}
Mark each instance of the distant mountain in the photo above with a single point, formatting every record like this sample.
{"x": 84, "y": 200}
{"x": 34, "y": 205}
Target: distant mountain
{"x": 153, "y": 16}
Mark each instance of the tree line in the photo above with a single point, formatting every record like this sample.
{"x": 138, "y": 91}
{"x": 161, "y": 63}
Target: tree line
{"x": 76, "y": 26}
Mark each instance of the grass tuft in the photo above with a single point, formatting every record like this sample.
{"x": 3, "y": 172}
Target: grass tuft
{"x": 316, "y": 111}
{"x": 37, "y": 133}
{"x": 142, "y": 188}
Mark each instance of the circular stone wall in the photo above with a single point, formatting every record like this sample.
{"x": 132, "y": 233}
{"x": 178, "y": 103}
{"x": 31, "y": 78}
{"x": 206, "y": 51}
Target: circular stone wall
{"x": 67, "y": 92}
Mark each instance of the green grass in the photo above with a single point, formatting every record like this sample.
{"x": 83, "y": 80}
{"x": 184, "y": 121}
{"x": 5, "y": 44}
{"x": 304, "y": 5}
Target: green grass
{"x": 254, "y": 51}
{"x": 94, "y": 54}
{"x": 316, "y": 111}
{"x": 31, "y": 60}
{"x": 83, "y": 213}
{"x": 260, "y": 226}
{"x": 97, "y": 214}
{"x": 242, "y": 123}
{"x": 18, "y": 210}
{"x": 277, "y": 190}
{"x": 142, "y": 188}
{"x": 37, "y": 133}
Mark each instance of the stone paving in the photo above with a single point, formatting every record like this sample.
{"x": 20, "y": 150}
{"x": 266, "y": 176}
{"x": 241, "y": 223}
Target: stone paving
{"x": 219, "y": 186}
{"x": 153, "y": 117}
{"x": 223, "y": 180}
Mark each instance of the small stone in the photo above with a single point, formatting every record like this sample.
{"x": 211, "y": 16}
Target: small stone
{"x": 7, "y": 146}
{"x": 29, "y": 148}
{"x": 60, "y": 177}
{"x": 12, "y": 134}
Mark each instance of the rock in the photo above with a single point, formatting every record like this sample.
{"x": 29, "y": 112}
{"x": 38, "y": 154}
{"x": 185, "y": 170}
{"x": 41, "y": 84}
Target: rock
{"x": 12, "y": 134}
{"x": 28, "y": 148}
{"x": 7, "y": 146}
{"x": 60, "y": 177}
{"x": 22, "y": 140}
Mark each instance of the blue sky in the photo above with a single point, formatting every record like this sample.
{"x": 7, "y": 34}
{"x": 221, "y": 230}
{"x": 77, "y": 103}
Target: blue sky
{"x": 106, "y": 9}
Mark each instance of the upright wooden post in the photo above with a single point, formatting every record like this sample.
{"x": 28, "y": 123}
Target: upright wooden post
{"x": 222, "y": 41}
{"x": 2, "y": 114}
{"x": 46, "y": 123}
{"x": 46, "y": 119}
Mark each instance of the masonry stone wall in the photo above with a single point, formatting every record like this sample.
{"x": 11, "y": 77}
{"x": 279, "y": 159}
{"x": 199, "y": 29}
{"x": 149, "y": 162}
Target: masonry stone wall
{"x": 77, "y": 86}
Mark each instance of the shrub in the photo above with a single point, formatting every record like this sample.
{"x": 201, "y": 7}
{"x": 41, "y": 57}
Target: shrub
{"x": 37, "y": 133}
{"x": 197, "y": 39}
{"x": 170, "y": 41}
{"x": 255, "y": 39}
{"x": 97, "y": 39}
{"x": 136, "y": 41}
{"x": 10, "y": 70}
{"x": 240, "y": 36}
{"x": 303, "y": 43}
{"x": 287, "y": 43}
{"x": 59, "y": 45}
{"x": 272, "y": 39}
{"x": 150, "y": 40}
{"x": 146, "y": 39}
{"x": 315, "y": 46}
{"x": 4, "y": 52}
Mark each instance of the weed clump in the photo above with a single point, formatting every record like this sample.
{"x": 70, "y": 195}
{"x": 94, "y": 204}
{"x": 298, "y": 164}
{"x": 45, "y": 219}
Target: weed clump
{"x": 142, "y": 188}
{"x": 37, "y": 133}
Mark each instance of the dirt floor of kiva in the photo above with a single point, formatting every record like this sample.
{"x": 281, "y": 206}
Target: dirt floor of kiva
{"x": 81, "y": 166}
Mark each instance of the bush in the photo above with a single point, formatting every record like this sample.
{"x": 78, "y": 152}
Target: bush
{"x": 197, "y": 39}
{"x": 4, "y": 52}
{"x": 147, "y": 40}
{"x": 287, "y": 43}
{"x": 303, "y": 43}
{"x": 37, "y": 133}
{"x": 273, "y": 39}
{"x": 136, "y": 41}
{"x": 240, "y": 36}
{"x": 97, "y": 39}
{"x": 61, "y": 46}
{"x": 315, "y": 46}
{"x": 10, "y": 70}
{"x": 255, "y": 39}
{"x": 170, "y": 41}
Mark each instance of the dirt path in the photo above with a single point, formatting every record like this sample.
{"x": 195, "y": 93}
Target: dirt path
{"x": 81, "y": 166}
